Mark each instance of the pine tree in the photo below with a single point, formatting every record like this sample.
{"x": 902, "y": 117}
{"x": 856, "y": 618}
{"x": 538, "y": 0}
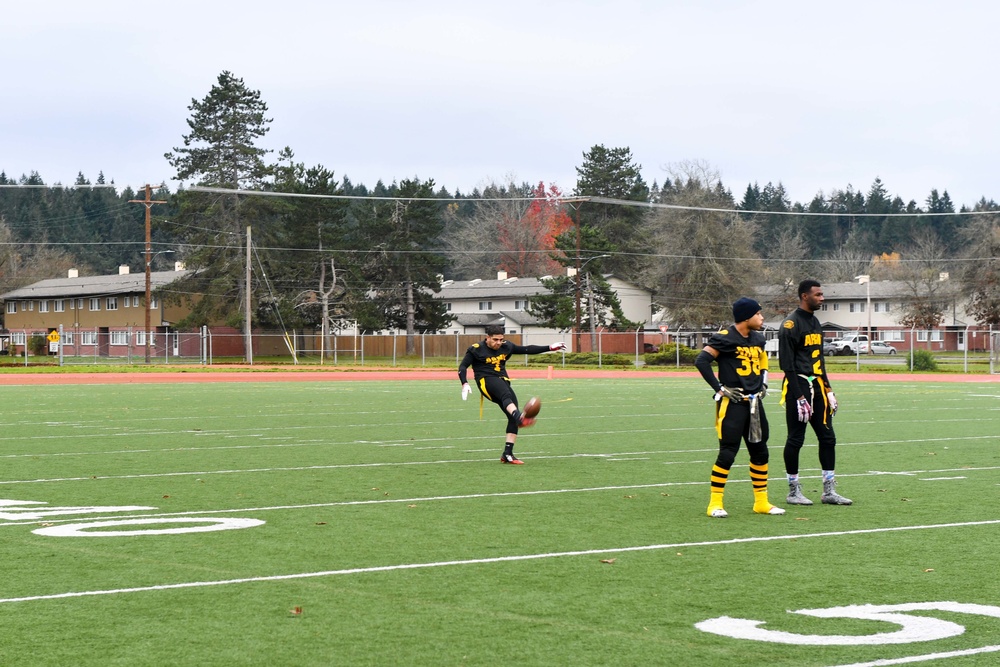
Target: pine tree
{"x": 221, "y": 151}
{"x": 613, "y": 174}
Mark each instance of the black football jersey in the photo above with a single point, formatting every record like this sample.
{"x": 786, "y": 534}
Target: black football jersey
{"x": 486, "y": 362}
{"x": 741, "y": 360}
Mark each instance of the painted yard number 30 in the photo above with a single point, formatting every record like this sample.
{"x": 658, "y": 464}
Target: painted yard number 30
{"x": 911, "y": 628}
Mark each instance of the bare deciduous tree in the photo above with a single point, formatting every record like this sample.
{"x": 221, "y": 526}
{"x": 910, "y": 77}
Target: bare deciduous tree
{"x": 701, "y": 261}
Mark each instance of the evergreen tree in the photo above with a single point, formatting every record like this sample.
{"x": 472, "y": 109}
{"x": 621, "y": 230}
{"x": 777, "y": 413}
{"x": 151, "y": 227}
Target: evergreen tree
{"x": 221, "y": 151}
{"x": 312, "y": 238}
{"x": 612, "y": 173}
{"x": 393, "y": 284}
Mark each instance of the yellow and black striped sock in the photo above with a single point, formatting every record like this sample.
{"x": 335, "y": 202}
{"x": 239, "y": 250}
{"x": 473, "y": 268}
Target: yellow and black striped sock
{"x": 719, "y": 477}
{"x": 758, "y": 477}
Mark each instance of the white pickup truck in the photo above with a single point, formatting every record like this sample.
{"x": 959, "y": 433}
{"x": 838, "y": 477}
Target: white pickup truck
{"x": 851, "y": 343}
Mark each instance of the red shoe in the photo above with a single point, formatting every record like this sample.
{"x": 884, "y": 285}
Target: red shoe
{"x": 510, "y": 458}
{"x": 525, "y": 422}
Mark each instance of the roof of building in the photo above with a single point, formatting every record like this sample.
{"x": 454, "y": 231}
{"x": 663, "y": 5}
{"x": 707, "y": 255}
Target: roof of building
{"x": 491, "y": 289}
{"x": 522, "y": 317}
{"x": 84, "y": 286}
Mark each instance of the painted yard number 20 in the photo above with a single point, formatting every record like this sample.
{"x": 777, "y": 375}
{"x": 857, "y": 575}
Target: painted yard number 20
{"x": 911, "y": 628}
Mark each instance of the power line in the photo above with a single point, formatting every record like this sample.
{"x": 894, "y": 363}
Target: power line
{"x": 302, "y": 195}
{"x": 844, "y": 214}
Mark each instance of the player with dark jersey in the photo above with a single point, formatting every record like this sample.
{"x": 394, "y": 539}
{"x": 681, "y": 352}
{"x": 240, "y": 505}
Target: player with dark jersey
{"x": 488, "y": 361}
{"x": 807, "y": 395}
{"x": 739, "y": 411}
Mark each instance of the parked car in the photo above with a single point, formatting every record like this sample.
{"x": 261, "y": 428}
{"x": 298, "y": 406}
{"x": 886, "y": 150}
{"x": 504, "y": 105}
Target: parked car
{"x": 880, "y": 347}
{"x": 850, "y": 344}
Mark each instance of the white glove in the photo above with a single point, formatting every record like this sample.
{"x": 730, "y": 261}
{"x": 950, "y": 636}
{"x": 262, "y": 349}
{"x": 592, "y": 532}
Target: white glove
{"x": 805, "y": 410}
{"x": 833, "y": 402}
{"x": 466, "y": 390}
{"x": 557, "y": 347}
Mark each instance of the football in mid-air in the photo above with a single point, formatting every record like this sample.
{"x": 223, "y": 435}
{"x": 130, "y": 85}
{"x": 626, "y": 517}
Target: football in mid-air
{"x": 532, "y": 407}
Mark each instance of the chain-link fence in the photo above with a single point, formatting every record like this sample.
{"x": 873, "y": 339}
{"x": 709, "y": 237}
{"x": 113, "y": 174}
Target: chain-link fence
{"x": 209, "y": 346}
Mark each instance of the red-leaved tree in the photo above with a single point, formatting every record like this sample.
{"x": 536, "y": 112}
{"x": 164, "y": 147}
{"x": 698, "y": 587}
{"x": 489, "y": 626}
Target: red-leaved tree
{"x": 528, "y": 241}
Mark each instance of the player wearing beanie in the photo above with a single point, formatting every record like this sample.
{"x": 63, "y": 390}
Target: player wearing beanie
{"x": 739, "y": 412}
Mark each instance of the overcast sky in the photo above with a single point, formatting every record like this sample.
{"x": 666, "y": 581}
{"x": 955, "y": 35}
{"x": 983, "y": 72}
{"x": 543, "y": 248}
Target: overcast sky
{"x": 815, "y": 95}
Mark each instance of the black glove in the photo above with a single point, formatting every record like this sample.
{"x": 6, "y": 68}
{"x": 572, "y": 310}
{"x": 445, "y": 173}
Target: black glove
{"x": 733, "y": 394}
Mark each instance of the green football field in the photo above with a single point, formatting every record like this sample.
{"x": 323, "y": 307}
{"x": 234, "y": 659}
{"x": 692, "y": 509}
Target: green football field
{"x": 371, "y": 523}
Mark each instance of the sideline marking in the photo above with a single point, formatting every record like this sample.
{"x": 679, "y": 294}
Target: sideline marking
{"x": 482, "y": 561}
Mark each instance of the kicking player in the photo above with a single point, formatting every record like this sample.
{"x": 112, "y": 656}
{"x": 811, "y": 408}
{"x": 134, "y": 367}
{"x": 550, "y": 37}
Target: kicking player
{"x": 489, "y": 367}
{"x": 807, "y": 395}
{"x": 739, "y": 411}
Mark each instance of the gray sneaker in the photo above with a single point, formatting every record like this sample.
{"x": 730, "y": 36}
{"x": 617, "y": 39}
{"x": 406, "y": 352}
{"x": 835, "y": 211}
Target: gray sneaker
{"x": 830, "y": 495}
{"x": 795, "y": 496}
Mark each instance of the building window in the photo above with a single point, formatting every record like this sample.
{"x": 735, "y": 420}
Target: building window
{"x": 11, "y": 307}
{"x": 823, "y": 307}
{"x": 447, "y": 306}
{"x": 521, "y": 304}
{"x": 79, "y": 304}
{"x": 60, "y": 305}
{"x": 893, "y": 335}
{"x": 67, "y": 337}
{"x": 935, "y": 335}
{"x": 88, "y": 338}
{"x": 135, "y": 302}
{"x": 119, "y": 338}
{"x": 43, "y": 306}
{"x": 140, "y": 338}
{"x": 881, "y": 307}
{"x": 485, "y": 305}
{"x": 857, "y": 307}
{"x": 836, "y": 307}
{"x": 125, "y": 301}
{"x": 95, "y": 304}
{"x": 112, "y": 302}
{"x": 31, "y": 306}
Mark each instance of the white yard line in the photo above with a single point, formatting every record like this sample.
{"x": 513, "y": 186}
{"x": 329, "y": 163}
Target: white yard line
{"x": 425, "y": 499}
{"x": 483, "y": 561}
{"x": 411, "y": 443}
{"x": 195, "y": 473}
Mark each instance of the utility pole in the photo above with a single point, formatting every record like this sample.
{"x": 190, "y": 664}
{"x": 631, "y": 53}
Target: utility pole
{"x": 148, "y": 202}
{"x": 247, "y": 324}
{"x": 576, "y": 347}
